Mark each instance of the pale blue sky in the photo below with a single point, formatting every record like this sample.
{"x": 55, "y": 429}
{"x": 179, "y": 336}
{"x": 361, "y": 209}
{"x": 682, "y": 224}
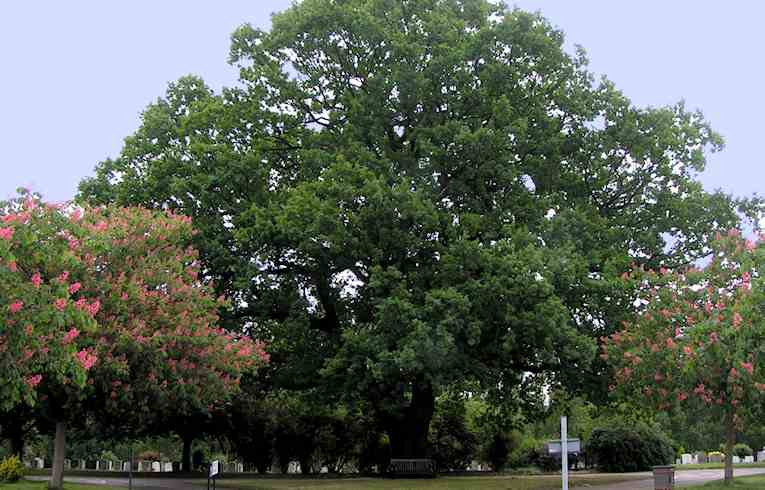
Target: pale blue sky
{"x": 75, "y": 75}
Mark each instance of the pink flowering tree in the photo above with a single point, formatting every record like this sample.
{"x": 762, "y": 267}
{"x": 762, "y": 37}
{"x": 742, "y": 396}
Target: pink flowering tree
{"x": 105, "y": 313}
{"x": 697, "y": 340}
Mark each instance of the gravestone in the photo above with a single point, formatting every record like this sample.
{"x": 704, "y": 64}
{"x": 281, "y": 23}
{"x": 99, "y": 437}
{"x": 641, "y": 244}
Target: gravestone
{"x": 240, "y": 468}
{"x": 155, "y": 467}
{"x": 701, "y": 457}
{"x": 167, "y": 467}
{"x": 761, "y": 455}
{"x": 748, "y": 459}
{"x": 67, "y": 464}
{"x": 686, "y": 458}
{"x": 294, "y": 467}
{"x": 736, "y": 460}
{"x": 39, "y": 463}
{"x": 716, "y": 458}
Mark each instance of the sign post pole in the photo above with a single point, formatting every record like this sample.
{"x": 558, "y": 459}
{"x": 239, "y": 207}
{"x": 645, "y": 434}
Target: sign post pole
{"x": 564, "y": 450}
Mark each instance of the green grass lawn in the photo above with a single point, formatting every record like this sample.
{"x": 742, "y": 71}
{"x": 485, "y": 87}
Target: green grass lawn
{"x": 449, "y": 483}
{"x": 743, "y": 483}
{"x": 39, "y": 485}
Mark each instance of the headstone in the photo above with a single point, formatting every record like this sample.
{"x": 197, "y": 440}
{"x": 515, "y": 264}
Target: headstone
{"x": 748, "y": 459}
{"x": 686, "y": 458}
{"x": 736, "y": 460}
{"x": 324, "y": 469}
{"x": 67, "y": 464}
{"x": 294, "y": 467}
{"x": 82, "y": 465}
{"x": 155, "y": 467}
{"x": 678, "y": 461}
{"x": 716, "y": 457}
{"x": 168, "y": 467}
{"x": 240, "y": 468}
{"x": 39, "y": 463}
{"x": 701, "y": 457}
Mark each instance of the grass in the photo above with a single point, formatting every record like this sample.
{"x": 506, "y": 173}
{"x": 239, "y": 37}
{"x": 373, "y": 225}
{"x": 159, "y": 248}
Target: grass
{"x": 38, "y": 485}
{"x": 743, "y": 483}
{"x": 448, "y": 483}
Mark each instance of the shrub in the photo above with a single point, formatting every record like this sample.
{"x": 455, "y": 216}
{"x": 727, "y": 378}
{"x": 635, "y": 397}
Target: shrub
{"x": 629, "y": 449}
{"x": 11, "y": 469}
{"x": 742, "y": 450}
{"x": 498, "y": 451}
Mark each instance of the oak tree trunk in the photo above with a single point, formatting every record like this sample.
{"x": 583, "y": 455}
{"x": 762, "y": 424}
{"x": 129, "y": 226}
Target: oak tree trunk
{"x": 186, "y": 459}
{"x": 409, "y": 433}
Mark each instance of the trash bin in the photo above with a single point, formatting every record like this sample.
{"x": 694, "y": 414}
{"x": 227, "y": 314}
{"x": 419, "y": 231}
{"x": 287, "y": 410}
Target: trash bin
{"x": 663, "y": 477}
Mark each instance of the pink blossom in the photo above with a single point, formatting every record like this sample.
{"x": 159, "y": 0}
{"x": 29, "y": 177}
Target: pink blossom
{"x": 750, "y": 245}
{"x": 736, "y": 320}
{"x": 748, "y": 366}
{"x": 688, "y": 350}
{"x": 36, "y": 279}
{"x": 71, "y": 335}
{"x": 73, "y": 244}
{"x": 733, "y": 373}
{"x": 101, "y": 226}
{"x": 6, "y": 233}
{"x": 670, "y": 344}
{"x": 87, "y": 359}
{"x": 94, "y": 307}
{"x": 74, "y": 287}
{"x": 29, "y": 330}
{"x": 13, "y": 266}
{"x": 60, "y": 304}
{"x": 76, "y": 215}
{"x": 16, "y": 306}
{"x": 64, "y": 276}
{"x": 681, "y": 396}
{"x": 34, "y": 380}
{"x": 714, "y": 337}
{"x": 746, "y": 277}
{"x": 658, "y": 377}
{"x": 760, "y": 386}
{"x": 733, "y": 232}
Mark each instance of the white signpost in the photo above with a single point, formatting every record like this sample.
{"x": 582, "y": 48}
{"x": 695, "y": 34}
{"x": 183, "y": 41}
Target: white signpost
{"x": 564, "y": 450}
{"x": 213, "y": 473}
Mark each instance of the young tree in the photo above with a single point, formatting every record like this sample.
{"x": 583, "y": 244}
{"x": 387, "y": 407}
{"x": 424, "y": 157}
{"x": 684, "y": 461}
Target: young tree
{"x": 121, "y": 304}
{"x": 698, "y": 339}
{"x": 410, "y": 194}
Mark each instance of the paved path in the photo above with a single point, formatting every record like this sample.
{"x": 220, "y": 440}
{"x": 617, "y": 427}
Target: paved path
{"x": 682, "y": 479}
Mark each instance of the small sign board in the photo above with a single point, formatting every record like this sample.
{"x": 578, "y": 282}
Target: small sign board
{"x": 574, "y": 446}
{"x": 214, "y": 469}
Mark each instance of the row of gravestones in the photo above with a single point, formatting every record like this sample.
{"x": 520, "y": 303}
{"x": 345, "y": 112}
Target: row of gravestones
{"x": 141, "y": 466}
{"x": 702, "y": 458}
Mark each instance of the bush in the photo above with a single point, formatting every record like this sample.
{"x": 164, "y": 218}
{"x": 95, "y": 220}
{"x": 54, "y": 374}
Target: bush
{"x": 453, "y": 444}
{"x": 629, "y": 449}
{"x": 498, "y": 452}
{"x": 11, "y": 469}
{"x": 742, "y": 450}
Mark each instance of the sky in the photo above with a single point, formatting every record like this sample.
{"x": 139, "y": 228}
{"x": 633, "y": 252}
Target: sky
{"x": 75, "y": 76}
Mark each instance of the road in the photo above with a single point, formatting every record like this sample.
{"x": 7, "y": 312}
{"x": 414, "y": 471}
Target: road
{"x": 682, "y": 478}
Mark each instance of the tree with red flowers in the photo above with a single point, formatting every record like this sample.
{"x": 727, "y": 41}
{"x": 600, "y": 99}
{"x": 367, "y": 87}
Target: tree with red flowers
{"x": 103, "y": 309}
{"x": 698, "y": 339}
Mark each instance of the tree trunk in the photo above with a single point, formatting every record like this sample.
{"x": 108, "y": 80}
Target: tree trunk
{"x": 186, "y": 460}
{"x": 59, "y": 450}
{"x": 16, "y": 438}
{"x": 409, "y": 433}
{"x": 729, "y": 443}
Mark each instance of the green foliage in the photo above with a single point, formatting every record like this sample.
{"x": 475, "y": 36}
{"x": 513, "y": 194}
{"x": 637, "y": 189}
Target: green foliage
{"x": 406, "y": 195}
{"x": 452, "y": 443}
{"x": 741, "y": 450}
{"x": 625, "y": 449}
{"x": 11, "y": 469}
{"x": 499, "y": 449}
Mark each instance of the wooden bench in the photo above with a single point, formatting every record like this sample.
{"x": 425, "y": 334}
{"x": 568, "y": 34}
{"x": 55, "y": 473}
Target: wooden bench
{"x": 413, "y": 467}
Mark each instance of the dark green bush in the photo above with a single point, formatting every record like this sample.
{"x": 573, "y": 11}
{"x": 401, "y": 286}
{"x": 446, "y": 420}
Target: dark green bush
{"x": 742, "y": 450}
{"x": 498, "y": 451}
{"x": 623, "y": 449}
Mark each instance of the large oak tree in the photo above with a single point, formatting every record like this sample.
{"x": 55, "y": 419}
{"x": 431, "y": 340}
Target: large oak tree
{"x": 410, "y": 194}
